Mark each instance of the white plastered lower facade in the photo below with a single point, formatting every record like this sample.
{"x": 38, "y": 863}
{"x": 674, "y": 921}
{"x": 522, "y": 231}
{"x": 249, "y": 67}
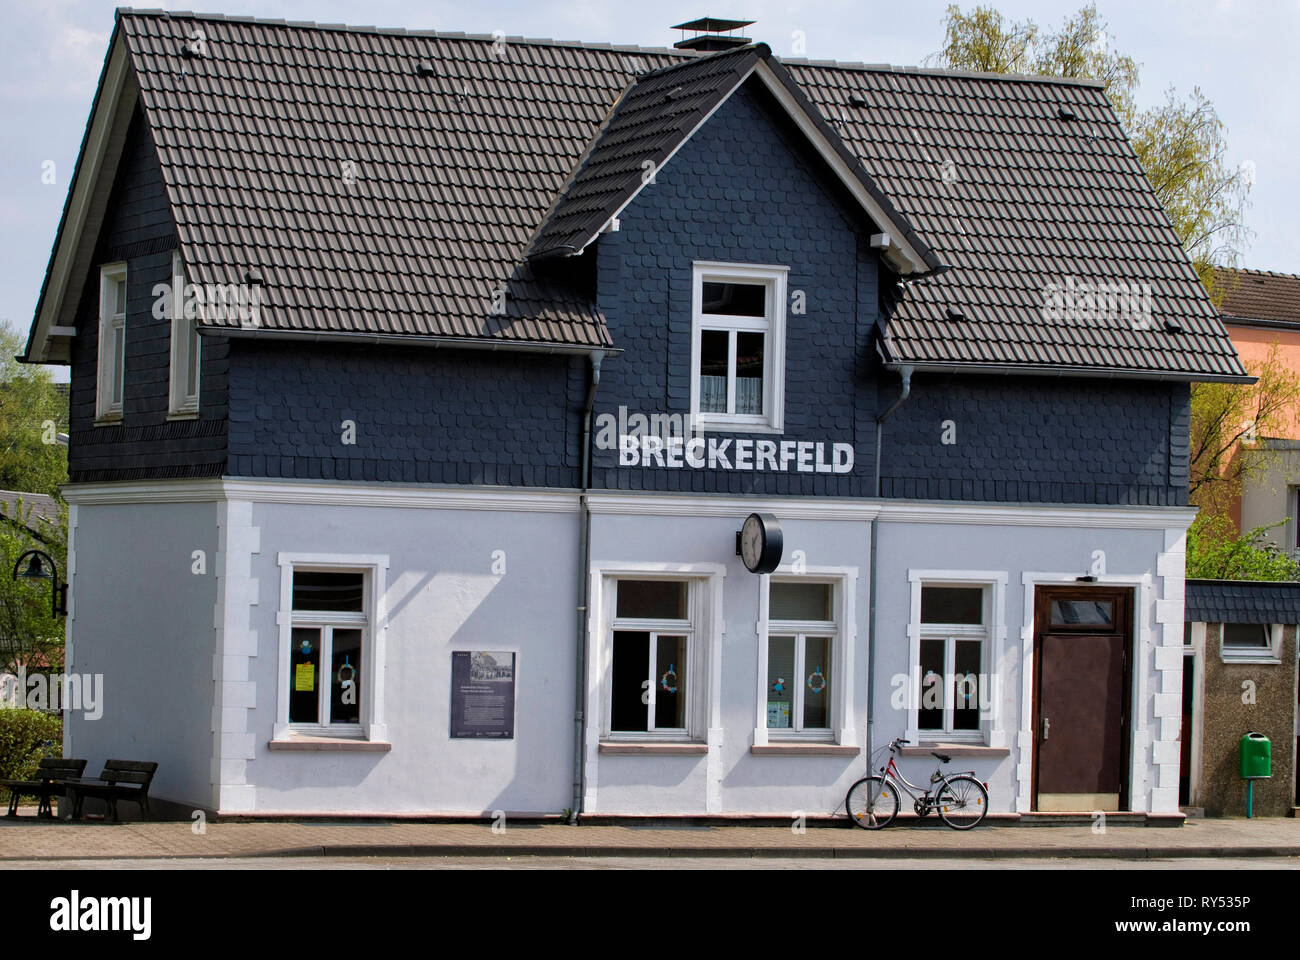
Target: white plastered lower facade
{"x": 196, "y": 673}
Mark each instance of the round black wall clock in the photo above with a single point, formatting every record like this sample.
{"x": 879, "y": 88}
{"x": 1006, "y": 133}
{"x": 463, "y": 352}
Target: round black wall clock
{"x": 761, "y": 542}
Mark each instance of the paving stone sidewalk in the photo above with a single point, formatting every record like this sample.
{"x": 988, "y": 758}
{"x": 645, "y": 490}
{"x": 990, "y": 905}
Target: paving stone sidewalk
{"x": 28, "y": 839}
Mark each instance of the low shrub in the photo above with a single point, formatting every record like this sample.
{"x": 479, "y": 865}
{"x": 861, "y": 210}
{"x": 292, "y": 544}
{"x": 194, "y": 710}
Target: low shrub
{"x": 26, "y": 738}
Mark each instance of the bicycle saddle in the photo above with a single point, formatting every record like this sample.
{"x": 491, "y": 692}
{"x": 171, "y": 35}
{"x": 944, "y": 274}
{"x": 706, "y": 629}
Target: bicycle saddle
{"x": 941, "y": 757}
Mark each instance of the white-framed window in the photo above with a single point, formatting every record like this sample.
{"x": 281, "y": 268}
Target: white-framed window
{"x": 332, "y": 625}
{"x": 738, "y": 346}
{"x": 1251, "y": 642}
{"x": 957, "y": 620}
{"x": 803, "y": 650}
{"x": 185, "y": 352}
{"x": 657, "y": 652}
{"x": 111, "y": 384}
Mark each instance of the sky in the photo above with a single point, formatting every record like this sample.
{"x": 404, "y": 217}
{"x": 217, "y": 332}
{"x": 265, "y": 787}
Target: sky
{"x": 1238, "y": 52}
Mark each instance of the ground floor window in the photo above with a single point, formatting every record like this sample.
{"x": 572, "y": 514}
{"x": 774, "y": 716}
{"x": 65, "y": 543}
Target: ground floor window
{"x": 656, "y": 651}
{"x": 329, "y": 612}
{"x": 802, "y": 642}
{"x": 956, "y": 629}
{"x": 653, "y": 641}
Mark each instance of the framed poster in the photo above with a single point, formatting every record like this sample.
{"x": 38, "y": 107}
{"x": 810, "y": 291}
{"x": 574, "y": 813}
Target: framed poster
{"x": 483, "y": 694}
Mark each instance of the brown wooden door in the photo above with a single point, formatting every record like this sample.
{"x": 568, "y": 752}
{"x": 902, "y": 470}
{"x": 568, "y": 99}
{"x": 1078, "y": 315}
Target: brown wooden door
{"x": 1081, "y": 653}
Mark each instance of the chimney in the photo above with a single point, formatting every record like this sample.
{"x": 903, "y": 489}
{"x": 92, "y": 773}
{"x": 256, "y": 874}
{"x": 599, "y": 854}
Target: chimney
{"x": 709, "y": 36}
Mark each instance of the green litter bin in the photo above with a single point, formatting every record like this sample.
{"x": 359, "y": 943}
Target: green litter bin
{"x": 1256, "y": 757}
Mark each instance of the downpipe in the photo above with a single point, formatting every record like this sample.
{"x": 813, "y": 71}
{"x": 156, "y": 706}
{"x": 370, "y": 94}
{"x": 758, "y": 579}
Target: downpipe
{"x": 906, "y": 373}
{"x": 584, "y": 590}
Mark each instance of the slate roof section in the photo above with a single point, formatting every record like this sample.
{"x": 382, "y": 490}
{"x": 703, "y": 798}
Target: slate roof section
{"x": 370, "y": 198}
{"x": 1260, "y": 296}
{"x": 1241, "y": 601}
{"x": 1019, "y": 183}
{"x": 388, "y": 183}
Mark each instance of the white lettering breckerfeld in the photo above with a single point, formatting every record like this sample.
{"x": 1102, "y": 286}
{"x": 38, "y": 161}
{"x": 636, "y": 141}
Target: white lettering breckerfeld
{"x": 713, "y": 453}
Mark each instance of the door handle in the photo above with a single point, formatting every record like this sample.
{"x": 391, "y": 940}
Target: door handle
{"x": 1047, "y": 727}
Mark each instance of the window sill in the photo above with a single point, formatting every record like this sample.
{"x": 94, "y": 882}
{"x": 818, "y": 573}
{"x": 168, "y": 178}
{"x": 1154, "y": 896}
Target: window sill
{"x": 109, "y": 420}
{"x": 804, "y": 750}
{"x": 1262, "y": 658}
{"x": 642, "y": 749}
{"x": 183, "y": 415}
{"x": 955, "y": 750}
{"x": 705, "y": 427}
{"x": 327, "y": 744}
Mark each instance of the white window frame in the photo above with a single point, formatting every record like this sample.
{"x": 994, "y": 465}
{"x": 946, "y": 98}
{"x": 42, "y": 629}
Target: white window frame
{"x": 704, "y": 647}
{"x": 108, "y": 409}
{"x": 843, "y": 581}
{"x": 801, "y": 630}
{"x": 373, "y": 621}
{"x": 775, "y": 279}
{"x": 992, "y": 634}
{"x": 1271, "y": 654}
{"x": 185, "y": 338}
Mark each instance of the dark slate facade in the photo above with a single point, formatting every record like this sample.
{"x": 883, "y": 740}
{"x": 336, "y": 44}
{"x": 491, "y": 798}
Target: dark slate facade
{"x": 139, "y": 230}
{"x": 418, "y": 415}
{"x": 742, "y": 191}
{"x": 1037, "y": 440}
{"x": 1241, "y": 601}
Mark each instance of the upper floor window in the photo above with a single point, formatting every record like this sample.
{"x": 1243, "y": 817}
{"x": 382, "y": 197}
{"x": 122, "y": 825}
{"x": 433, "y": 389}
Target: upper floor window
{"x": 738, "y": 346}
{"x": 112, "y": 342}
{"x": 184, "y": 390}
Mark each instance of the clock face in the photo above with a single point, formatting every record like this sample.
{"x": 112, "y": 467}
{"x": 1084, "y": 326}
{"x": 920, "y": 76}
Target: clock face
{"x": 761, "y": 543}
{"x": 752, "y": 541}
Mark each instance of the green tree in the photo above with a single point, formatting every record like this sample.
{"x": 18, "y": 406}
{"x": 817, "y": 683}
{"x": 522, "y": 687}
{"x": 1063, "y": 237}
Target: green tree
{"x": 30, "y": 634}
{"x": 32, "y": 414}
{"x": 1181, "y": 144}
{"x": 1215, "y": 552}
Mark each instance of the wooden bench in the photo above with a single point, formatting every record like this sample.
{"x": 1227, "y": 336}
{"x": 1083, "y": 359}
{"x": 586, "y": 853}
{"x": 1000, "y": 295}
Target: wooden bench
{"x": 44, "y": 787}
{"x": 119, "y": 780}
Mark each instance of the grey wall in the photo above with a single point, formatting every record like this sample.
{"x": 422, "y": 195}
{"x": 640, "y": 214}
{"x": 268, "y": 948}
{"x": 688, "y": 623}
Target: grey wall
{"x": 144, "y": 620}
{"x": 442, "y": 596}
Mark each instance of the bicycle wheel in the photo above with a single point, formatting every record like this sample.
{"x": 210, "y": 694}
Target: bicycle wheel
{"x": 872, "y": 803}
{"x": 962, "y": 801}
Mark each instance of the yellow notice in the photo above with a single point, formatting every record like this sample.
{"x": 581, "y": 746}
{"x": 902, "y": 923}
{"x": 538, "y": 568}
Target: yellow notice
{"x": 304, "y": 677}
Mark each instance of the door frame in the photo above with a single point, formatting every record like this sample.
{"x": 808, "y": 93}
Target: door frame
{"x": 1125, "y": 622}
{"x": 1146, "y": 620}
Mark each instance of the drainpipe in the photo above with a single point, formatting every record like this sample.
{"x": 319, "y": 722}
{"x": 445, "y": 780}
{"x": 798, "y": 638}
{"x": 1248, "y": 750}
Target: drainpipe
{"x": 584, "y": 589}
{"x": 906, "y": 373}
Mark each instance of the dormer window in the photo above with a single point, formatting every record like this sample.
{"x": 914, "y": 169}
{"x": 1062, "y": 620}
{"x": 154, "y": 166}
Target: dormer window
{"x": 111, "y": 385}
{"x": 738, "y": 346}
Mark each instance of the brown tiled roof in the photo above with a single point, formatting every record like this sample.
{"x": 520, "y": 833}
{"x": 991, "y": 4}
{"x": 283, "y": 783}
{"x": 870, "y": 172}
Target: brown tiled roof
{"x": 463, "y": 146}
{"x": 1260, "y": 295}
{"x": 1019, "y": 184}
